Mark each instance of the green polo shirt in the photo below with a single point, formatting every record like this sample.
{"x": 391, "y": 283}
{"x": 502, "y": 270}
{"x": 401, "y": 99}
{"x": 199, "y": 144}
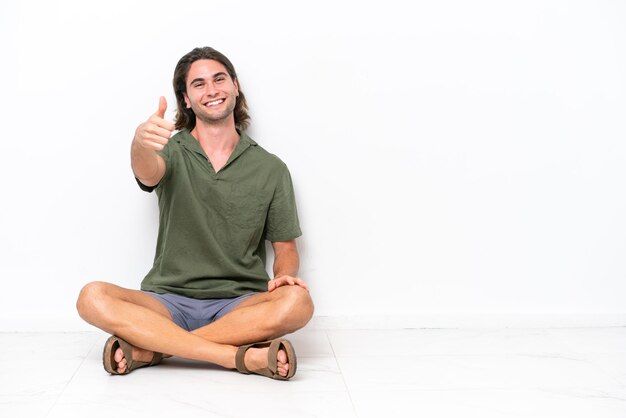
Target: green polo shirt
{"x": 213, "y": 226}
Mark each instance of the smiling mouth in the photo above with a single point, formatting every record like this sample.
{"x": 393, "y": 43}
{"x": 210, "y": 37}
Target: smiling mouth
{"x": 215, "y": 102}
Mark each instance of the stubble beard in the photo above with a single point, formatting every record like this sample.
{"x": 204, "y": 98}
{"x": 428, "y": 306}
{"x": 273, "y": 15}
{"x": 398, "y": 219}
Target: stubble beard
{"x": 213, "y": 118}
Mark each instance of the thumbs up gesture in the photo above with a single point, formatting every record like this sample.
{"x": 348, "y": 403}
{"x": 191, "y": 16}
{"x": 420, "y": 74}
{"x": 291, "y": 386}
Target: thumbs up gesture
{"x": 154, "y": 133}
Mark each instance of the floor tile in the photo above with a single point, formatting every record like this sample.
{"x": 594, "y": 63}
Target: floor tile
{"x": 532, "y": 373}
{"x": 593, "y": 340}
{"x": 613, "y": 364}
{"x": 179, "y": 403}
{"x": 36, "y": 367}
{"x": 311, "y": 343}
{"x": 444, "y": 342}
{"x": 190, "y": 388}
{"x": 474, "y": 372}
{"x": 314, "y": 374}
{"x": 483, "y": 403}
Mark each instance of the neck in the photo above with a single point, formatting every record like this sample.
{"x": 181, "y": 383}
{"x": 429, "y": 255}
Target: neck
{"x": 216, "y": 137}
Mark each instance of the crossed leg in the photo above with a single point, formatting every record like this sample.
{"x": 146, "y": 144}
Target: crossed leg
{"x": 145, "y": 323}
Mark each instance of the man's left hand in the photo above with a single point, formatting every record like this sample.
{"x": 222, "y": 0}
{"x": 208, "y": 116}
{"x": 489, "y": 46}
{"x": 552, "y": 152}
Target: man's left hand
{"x": 285, "y": 280}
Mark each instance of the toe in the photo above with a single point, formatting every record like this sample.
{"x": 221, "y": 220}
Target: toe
{"x": 121, "y": 366}
{"x": 283, "y": 370}
{"x": 281, "y": 357}
{"x": 282, "y": 365}
{"x": 120, "y": 360}
{"x": 119, "y": 355}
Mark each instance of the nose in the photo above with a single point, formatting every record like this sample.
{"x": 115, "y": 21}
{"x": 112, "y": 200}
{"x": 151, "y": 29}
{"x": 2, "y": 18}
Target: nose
{"x": 211, "y": 90}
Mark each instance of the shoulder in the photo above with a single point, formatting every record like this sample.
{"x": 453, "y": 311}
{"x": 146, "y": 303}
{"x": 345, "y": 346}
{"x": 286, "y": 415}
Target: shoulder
{"x": 179, "y": 138}
{"x": 173, "y": 146}
{"x": 272, "y": 161}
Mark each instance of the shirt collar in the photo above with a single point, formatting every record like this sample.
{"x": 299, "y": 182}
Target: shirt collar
{"x": 189, "y": 142}
{"x": 244, "y": 143}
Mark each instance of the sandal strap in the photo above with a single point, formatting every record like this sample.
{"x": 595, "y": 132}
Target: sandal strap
{"x": 156, "y": 358}
{"x": 272, "y": 354}
{"x": 239, "y": 359}
{"x": 272, "y": 358}
{"x": 127, "y": 349}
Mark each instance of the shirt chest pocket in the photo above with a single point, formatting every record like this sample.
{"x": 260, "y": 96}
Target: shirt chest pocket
{"x": 247, "y": 206}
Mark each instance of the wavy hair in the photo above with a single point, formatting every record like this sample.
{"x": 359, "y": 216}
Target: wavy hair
{"x": 185, "y": 118}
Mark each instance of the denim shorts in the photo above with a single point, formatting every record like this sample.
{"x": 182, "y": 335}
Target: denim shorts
{"x": 190, "y": 313}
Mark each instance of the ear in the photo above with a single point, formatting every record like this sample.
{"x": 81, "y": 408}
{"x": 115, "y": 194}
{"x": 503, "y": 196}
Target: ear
{"x": 236, "y": 88}
{"x": 186, "y": 100}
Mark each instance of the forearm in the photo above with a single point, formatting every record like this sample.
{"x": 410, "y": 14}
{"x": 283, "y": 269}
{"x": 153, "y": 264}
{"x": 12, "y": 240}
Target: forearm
{"x": 145, "y": 164}
{"x": 286, "y": 262}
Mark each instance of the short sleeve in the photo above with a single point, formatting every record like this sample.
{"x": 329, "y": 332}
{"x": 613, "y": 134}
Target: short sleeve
{"x": 165, "y": 153}
{"x": 282, "y": 222}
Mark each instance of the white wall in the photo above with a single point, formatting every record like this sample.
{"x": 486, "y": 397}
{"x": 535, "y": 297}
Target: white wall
{"x": 450, "y": 158}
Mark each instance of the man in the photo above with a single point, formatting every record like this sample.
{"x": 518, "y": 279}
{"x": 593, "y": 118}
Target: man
{"x": 207, "y": 296}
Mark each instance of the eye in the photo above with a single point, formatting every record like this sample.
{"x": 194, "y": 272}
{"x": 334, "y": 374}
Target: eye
{"x": 197, "y": 85}
{"x": 220, "y": 79}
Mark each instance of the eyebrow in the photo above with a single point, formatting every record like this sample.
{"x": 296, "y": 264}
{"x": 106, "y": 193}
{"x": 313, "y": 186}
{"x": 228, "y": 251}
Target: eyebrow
{"x": 221, "y": 73}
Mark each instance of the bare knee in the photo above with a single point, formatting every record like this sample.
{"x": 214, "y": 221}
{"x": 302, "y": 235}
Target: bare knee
{"x": 295, "y": 309}
{"x": 304, "y": 304}
{"x": 90, "y": 298}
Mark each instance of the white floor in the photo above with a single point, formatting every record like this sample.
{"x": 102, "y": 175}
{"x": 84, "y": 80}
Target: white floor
{"x": 360, "y": 373}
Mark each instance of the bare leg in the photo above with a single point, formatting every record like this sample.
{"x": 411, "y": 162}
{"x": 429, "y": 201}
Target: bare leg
{"x": 263, "y": 316}
{"x": 141, "y": 320}
{"x": 144, "y": 322}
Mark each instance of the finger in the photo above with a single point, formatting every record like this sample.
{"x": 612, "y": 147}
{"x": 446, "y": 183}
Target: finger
{"x": 162, "y": 123}
{"x": 156, "y": 138}
{"x": 281, "y": 281}
{"x": 302, "y": 283}
{"x": 162, "y": 107}
{"x": 275, "y": 284}
{"x": 159, "y": 131}
{"x": 154, "y": 145}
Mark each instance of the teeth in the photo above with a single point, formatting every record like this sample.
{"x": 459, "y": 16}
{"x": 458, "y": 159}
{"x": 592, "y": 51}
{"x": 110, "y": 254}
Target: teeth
{"x": 215, "y": 102}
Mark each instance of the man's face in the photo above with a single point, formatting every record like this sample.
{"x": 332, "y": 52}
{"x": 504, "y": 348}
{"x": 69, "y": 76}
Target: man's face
{"x": 211, "y": 93}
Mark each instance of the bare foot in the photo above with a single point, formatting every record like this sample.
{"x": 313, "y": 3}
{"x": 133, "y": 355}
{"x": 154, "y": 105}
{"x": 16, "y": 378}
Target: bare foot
{"x": 138, "y": 355}
{"x": 256, "y": 358}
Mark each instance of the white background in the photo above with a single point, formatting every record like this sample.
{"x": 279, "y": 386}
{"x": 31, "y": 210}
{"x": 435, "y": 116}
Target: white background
{"x": 450, "y": 158}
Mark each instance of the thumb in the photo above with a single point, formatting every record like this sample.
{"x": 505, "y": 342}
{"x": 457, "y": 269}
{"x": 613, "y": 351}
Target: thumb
{"x": 162, "y": 107}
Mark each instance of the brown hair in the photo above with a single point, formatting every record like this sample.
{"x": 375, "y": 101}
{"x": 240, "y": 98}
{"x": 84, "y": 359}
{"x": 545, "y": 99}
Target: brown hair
{"x": 185, "y": 118}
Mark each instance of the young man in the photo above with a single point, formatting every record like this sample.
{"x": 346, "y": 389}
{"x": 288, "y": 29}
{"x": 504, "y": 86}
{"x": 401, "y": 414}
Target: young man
{"x": 207, "y": 296}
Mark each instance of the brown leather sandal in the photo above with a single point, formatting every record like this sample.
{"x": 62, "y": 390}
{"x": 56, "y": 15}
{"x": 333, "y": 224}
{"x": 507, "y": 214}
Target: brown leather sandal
{"x": 111, "y": 346}
{"x": 272, "y": 363}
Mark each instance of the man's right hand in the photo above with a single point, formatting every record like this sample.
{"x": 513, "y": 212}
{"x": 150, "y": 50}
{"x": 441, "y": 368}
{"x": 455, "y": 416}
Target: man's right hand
{"x": 154, "y": 133}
